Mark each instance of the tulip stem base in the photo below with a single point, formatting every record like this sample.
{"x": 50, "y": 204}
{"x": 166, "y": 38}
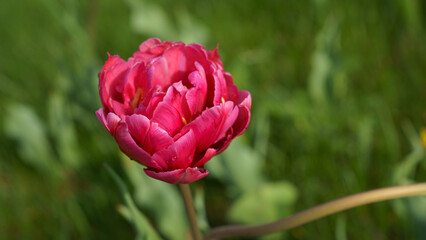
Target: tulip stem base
{"x": 190, "y": 211}
{"x": 318, "y": 212}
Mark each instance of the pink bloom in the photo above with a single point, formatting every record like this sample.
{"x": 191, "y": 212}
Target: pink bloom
{"x": 171, "y": 107}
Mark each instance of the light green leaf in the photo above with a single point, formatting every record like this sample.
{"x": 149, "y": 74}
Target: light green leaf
{"x": 340, "y": 230}
{"x": 417, "y": 207}
{"x": 161, "y": 198}
{"x": 269, "y": 202}
{"x": 63, "y": 131}
{"x": 365, "y": 132}
{"x": 141, "y": 224}
{"x": 405, "y": 170}
{"x": 150, "y": 19}
{"x": 240, "y": 165}
{"x": 191, "y": 30}
{"x": 325, "y": 76}
{"x": 23, "y": 125}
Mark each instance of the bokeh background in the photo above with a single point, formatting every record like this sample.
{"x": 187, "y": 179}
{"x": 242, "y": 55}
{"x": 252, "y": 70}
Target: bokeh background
{"x": 339, "y": 103}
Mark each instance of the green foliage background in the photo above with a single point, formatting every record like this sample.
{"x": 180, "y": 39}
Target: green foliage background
{"x": 339, "y": 98}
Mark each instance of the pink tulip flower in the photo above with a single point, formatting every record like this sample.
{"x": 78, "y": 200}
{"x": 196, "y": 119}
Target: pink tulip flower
{"x": 171, "y": 107}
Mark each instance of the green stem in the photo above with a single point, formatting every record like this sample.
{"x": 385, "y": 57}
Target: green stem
{"x": 190, "y": 211}
{"x": 318, "y": 212}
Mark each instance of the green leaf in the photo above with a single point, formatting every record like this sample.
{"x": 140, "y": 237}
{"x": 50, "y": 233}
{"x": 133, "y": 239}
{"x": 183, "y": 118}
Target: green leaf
{"x": 340, "y": 230}
{"x": 161, "y": 198}
{"x": 405, "y": 170}
{"x": 150, "y": 19}
{"x": 417, "y": 208}
{"x": 239, "y": 165}
{"x": 269, "y": 202}
{"x": 24, "y": 126}
{"x": 191, "y": 30}
{"x": 141, "y": 224}
{"x": 63, "y": 131}
{"x": 326, "y": 79}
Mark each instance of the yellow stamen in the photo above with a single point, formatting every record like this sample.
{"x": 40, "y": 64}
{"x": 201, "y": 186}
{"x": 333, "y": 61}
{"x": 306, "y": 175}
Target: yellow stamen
{"x": 223, "y": 99}
{"x": 138, "y": 96}
{"x": 184, "y": 121}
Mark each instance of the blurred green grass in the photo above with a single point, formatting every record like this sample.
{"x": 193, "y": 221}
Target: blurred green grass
{"x": 338, "y": 93}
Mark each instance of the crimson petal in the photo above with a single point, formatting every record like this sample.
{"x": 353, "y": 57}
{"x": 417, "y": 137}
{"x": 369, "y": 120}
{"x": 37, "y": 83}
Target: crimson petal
{"x": 207, "y": 156}
{"x": 130, "y": 148}
{"x": 178, "y": 176}
{"x": 196, "y": 96}
{"x": 212, "y": 124}
{"x": 138, "y": 127}
{"x": 156, "y": 139}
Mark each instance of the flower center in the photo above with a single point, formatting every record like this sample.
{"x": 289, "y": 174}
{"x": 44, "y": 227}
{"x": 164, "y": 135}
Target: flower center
{"x": 184, "y": 121}
{"x": 136, "y": 99}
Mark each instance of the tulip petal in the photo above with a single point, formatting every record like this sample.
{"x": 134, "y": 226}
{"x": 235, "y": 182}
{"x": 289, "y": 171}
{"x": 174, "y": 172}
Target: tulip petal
{"x": 101, "y": 116}
{"x": 172, "y": 113}
{"x": 170, "y": 67}
{"x": 111, "y": 61}
{"x": 129, "y": 147}
{"x": 196, "y": 96}
{"x": 196, "y": 53}
{"x": 221, "y": 145}
{"x": 212, "y": 124}
{"x": 168, "y": 118}
{"x": 244, "y": 99}
{"x": 110, "y": 122}
{"x": 185, "y": 148}
{"x": 205, "y": 127}
{"x": 149, "y": 44}
{"x": 138, "y": 126}
{"x": 111, "y": 80}
{"x": 159, "y": 70}
{"x": 165, "y": 158}
{"x": 152, "y": 99}
{"x": 117, "y": 107}
{"x": 178, "y": 155}
{"x": 176, "y": 62}
{"x": 207, "y": 156}
{"x": 178, "y": 176}
{"x": 220, "y": 91}
{"x": 230, "y": 114}
{"x": 129, "y": 85}
{"x": 151, "y": 48}
{"x": 242, "y": 122}
{"x": 214, "y": 56}
{"x": 137, "y": 80}
{"x": 232, "y": 90}
{"x": 175, "y": 98}
{"x": 157, "y": 139}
